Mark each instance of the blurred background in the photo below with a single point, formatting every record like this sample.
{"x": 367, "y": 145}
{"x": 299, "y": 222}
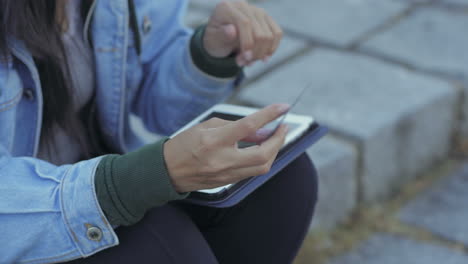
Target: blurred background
{"x": 390, "y": 80}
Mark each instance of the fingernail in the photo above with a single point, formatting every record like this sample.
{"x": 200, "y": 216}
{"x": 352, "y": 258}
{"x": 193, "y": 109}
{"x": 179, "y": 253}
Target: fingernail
{"x": 282, "y": 108}
{"x": 263, "y": 132}
{"x": 248, "y": 55}
{"x": 240, "y": 62}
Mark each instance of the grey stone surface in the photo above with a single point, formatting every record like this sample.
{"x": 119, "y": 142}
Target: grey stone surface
{"x": 402, "y": 120}
{"x": 458, "y": 2}
{"x": 335, "y": 161}
{"x": 288, "y": 47}
{"x": 337, "y": 21}
{"x": 443, "y": 209}
{"x": 430, "y": 39}
{"x": 388, "y": 249}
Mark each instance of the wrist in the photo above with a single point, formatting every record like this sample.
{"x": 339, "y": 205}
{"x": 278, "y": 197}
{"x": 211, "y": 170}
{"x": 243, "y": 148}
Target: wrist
{"x": 218, "y": 67}
{"x": 175, "y": 168}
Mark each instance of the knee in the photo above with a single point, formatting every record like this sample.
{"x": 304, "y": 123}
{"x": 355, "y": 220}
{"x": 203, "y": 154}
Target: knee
{"x": 302, "y": 178}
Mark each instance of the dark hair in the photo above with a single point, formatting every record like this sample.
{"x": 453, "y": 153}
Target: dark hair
{"x": 34, "y": 23}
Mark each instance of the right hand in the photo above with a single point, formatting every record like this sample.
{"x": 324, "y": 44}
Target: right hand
{"x": 206, "y": 156}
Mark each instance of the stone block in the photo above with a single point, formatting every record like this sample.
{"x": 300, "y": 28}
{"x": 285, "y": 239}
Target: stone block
{"x": 337, "y": 21}
{"x": 432, "y": 40}
{"x": 443, "y": 209}
{"x": 401, "y": 120}
{"x": 389, "y": 249}
{"x": 335, "y": 161}
{"x": 457, "y": 2}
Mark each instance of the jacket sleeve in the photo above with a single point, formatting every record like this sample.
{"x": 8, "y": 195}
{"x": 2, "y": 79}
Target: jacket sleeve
{"x": 49, "y": 213}
{"x": 173, "y": 90}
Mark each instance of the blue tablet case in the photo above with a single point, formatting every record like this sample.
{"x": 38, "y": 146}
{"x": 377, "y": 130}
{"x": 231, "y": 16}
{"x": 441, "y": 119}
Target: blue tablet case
{"x": 239, "y": 191}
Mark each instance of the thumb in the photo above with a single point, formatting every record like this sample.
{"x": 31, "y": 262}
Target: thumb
{"x": 230, "y": 32}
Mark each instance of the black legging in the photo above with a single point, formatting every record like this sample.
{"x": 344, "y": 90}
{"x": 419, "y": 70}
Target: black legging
{"x": 269, "y": 226}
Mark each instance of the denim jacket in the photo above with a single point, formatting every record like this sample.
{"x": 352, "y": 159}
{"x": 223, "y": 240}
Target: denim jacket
{"x": 50, "y": 213}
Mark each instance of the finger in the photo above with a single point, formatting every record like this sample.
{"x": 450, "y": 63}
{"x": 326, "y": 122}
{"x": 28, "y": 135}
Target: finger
{"x": 262, "y": 154}
{"x": 230, "y": 32}
{"x": 266, "y": 39}
{"x": 258, "y": 37}
{"x": 237, "y": 175}
{"x": 244, "y": 173}
{"x": 244, "y": 29}
{"x": 260, "y": 32}
{"x": 248, "y": 125}
{"x": 260, "y": 135}
{"x": 277, "y": 33}
{"x": 259, "y": 41}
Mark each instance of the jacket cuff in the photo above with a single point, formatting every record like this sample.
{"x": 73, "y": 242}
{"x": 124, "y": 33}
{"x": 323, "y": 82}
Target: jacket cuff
{"x": 216, "y": 67}
{"x": 81, "y": 209}
{"x": 129, "y": 185}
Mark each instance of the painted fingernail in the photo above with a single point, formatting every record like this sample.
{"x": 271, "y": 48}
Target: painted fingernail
{"x": 240, "y": 62}
{"x": 282, "y": 108}
{"x": 248, "y": 55}
{"x": 263, "y": 132}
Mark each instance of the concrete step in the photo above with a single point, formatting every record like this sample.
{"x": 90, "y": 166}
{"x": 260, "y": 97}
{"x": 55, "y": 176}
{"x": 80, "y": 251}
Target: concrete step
{"x": 336, "y": 162}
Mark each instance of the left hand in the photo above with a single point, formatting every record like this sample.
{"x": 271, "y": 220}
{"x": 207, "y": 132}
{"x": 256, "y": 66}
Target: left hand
{"x": 237, "y": 26}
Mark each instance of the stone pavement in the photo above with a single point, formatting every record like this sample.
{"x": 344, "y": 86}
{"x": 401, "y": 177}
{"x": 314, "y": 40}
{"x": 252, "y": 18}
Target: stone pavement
{"x": 434, "y": 228}
{"x": 389, "y": 78}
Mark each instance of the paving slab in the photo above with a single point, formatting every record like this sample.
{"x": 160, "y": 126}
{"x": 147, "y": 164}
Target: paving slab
{"x": 458, "y": 2}
{"x": 336, "y": 162}
{"x": 430, "y": 39}
{"x": 443, "y": 209}
{"x": 401, "y": 120}
{"x": 388, "y": 249}
{"x": 337, "y": 21}
{"x": 288, "y": 47}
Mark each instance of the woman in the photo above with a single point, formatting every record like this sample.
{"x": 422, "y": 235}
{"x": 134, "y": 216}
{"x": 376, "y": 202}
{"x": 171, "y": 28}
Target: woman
{"x": 71, "y": 72}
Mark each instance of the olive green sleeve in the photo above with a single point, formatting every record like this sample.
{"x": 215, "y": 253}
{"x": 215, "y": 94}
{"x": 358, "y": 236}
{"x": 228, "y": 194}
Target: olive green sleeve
{"x": 217, "y": 67}
{"x": 128, "y": 185}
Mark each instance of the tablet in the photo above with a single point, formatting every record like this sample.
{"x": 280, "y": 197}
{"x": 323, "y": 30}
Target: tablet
{"x": 298, "y": 125}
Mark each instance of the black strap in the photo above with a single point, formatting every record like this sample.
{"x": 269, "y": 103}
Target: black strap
{"x": 134, "y": 26}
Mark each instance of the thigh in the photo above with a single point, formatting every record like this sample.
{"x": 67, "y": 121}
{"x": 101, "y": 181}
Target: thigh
{"x": 270, "y": 225}
{"x": 165, "y": 235}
